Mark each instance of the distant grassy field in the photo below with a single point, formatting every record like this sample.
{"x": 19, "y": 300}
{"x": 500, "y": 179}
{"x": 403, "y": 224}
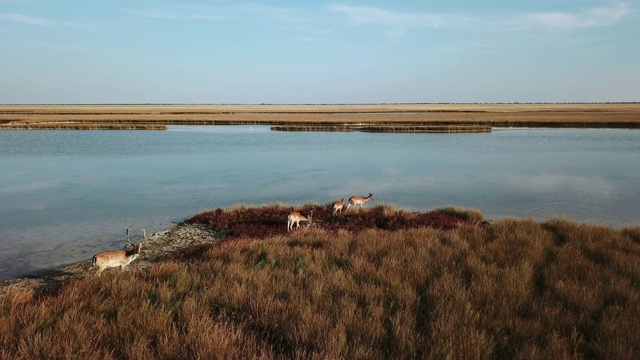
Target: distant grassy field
{"x": 376, "y": 283}
{"x": 398, "y": 116}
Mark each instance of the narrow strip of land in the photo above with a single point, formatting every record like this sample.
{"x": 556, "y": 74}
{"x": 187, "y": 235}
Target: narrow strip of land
{"x": 381, "y": 117}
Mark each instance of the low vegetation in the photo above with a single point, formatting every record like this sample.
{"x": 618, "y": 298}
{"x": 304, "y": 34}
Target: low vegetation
{"x": 427, "y": 129}
{"x": 337, "y": 117}
{"x": 259, "y": 222}
{"x": 375, "y": 283}
{"x": 399, "y": 128}
{"x": 81, "y": 126}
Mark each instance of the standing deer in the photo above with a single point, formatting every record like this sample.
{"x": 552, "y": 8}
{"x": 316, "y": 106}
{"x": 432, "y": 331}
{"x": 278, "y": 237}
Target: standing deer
{"x": 359, "y": 200}
{"x": 337, "y": 206}
{"x": 296, "y": 217}
{"x": 121, "y": 258}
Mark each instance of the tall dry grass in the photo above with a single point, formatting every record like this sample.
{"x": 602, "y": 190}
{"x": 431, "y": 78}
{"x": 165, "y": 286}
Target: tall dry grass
{"x": 337, "y": 117}
{"x": 397, "y": 128}
{"x": 515, "y": 289}
{"x": 81, "y": 126}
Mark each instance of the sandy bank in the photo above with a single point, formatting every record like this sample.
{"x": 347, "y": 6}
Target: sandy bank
{"x": 157, "y": 247}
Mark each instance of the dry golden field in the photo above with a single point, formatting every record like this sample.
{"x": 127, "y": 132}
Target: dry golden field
{"x": 620, "y": 115}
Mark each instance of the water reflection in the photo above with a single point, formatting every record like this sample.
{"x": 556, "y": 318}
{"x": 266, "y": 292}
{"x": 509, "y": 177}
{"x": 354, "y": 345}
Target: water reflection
{"x": 68, "y": 194}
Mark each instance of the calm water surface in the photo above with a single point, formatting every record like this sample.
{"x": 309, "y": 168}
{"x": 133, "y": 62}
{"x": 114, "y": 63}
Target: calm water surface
{"x": 65, "y": 195}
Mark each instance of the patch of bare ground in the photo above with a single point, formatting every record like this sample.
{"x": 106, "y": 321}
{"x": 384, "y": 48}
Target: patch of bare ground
{"x": 157, "y": 247}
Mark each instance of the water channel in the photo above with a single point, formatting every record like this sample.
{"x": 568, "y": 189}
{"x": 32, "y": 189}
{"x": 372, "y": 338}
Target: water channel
{"x": 65, "y": 195}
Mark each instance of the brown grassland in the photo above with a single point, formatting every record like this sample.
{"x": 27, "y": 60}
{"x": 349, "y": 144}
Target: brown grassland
{"x": 376, "y": 283}
{"x": 402, "y": 117}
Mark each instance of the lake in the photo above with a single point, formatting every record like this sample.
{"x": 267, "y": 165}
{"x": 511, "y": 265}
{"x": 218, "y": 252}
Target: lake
{"x": 65, "y": 195}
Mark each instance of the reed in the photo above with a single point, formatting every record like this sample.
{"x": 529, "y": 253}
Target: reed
{"x": 337, "y": 117}
{"x": 81, "y": 126}
{"x": 313, "y": 127}
{"x": 513, "y": 289}
{"x": 385, "y": 128}
{"x": 426, "y": 129}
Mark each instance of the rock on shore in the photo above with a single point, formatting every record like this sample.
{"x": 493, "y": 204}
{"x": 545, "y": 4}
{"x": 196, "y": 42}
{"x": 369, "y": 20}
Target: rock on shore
{"x": 157, "y": 246}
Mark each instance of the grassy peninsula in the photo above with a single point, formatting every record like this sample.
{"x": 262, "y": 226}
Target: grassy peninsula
{"x": 338, "y": 117}
{"x": 376, "y": 283}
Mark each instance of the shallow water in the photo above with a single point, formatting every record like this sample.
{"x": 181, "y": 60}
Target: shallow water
{"x": 65, "y": 195}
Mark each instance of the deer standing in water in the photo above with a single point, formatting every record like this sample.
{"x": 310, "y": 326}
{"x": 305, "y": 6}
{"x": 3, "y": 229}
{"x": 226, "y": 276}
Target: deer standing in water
{"x": 337, "y": 206}
{"x": 296, "y": 217}
{"x": 359, "y": 200}
{"x": 121, "y": 258}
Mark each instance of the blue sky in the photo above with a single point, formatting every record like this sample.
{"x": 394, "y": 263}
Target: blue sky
{"x": 299, "y": 52}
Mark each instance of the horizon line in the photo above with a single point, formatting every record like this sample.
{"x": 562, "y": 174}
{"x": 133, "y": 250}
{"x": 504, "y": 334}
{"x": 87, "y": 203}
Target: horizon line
{"x": 363, "y": 103}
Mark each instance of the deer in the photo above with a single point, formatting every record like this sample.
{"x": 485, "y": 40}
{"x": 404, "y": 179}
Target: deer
{"x": 296, "y": 217}
{"x": 359, "y": 200}
{"x": 121, "y": 258}
{"x": 337, "y": 206}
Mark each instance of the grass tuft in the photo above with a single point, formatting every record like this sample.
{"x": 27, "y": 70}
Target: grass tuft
{"x": 471, "y": 216}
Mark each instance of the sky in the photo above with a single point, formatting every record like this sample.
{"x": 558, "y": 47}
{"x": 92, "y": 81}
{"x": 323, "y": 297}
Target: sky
{"x": 317, "y": 52}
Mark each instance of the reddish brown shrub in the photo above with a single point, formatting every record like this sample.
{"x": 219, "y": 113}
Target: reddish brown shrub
{"x": 264, "y": 221}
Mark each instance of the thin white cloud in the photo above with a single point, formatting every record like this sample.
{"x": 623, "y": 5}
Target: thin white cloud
{"x": 20, "y": 2}
{"x": 207, "y": 17}
{"x": 593, "y": 17}
{"x": 371, "y": 15}
{"x": 37, "y": 21}
{"x": 277, "y": 14}
{"x": 24, "y": 19}
{"x": 152, "y": 14}
{"x": 155, "y": 14}
{"x": 216, "y": 12}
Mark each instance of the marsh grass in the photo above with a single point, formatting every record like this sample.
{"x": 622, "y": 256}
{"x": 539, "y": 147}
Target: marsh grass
{"x": 314, "y": 127}
{"x": 426, "y": 129}
{"x": 515, "y": 289}
{"x": 82, "y": 126}
{"x": 269, "y": 220}
{"x": 338, "y": 117}
{"x": 398, "y": 128}
{"x": 470, "y": 216}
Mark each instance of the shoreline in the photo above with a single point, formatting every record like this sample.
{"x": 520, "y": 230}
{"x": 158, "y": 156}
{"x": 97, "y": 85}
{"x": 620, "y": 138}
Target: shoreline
{"x": 159, "y": 245}
{"x": 171, "y": 242}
